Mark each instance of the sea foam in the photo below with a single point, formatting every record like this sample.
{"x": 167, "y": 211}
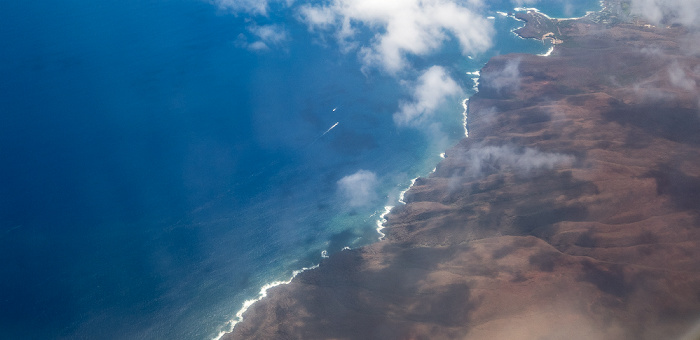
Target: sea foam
{"x": 263, "y": 293}
{"x": 382, "y": 220}
{"x": 465, "y": 105}
{"x": 402, "y": 194}
{"x": 548, "y": 53}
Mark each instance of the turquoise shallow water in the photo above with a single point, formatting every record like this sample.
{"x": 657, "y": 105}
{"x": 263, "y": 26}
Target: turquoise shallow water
{"x": 155, "y": 173}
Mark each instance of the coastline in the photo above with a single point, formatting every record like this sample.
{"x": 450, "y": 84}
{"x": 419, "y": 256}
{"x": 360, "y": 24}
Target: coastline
{"x": 382, "y": 219}
{"x": 426, "y": 199}
{"x": 261, "y": 295}
{"x": 247, "y": 304}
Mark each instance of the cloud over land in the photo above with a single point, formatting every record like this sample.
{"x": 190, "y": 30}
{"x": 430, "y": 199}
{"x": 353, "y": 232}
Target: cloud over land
{"x": 684, "y": 12}
{"x": 483, "y": 159}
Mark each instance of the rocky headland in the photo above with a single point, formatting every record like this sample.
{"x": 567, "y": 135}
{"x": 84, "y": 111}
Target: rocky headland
{"x": 572, "y": 210}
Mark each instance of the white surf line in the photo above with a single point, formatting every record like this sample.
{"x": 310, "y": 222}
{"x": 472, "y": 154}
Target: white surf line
{"x": 475, "y": 78}
{"x": 403, "y": 193}
{"x": 530, "y": 9}
{"x": 402, "y": 196}
{"x": 523, "y": 9}
{"x": 516, "y": 34}
{"x": 263, "y": 293}
{"x": 548, "y": 53}
{"x": 465, "y": 105}
{"x": 536, "y": 10}
{"x": 382, "y": 220}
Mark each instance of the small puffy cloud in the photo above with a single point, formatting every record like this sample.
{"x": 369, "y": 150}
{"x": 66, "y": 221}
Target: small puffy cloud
{"x": 508, "y": 78}
{"x": 403, "y": 27}
{"x": 317, "y": 17}
{"x": 274, "y": 34}
{"x": 431, "y": 90}
{"x": 267, "y": 36}
{"x": 358, "y": 189}
{"x": 684, "y": 12}
{"x": 258, "y": 46}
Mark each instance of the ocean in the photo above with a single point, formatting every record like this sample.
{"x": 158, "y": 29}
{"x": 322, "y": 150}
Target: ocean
{"x": 163, "y": 160}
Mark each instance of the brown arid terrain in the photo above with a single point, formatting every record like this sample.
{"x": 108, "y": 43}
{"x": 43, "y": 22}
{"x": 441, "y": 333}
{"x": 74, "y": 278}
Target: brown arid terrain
{"x": 571, "y": 212}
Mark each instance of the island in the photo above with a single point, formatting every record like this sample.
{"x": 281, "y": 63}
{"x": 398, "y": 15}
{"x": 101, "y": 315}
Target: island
{"x": 572, "y": 211}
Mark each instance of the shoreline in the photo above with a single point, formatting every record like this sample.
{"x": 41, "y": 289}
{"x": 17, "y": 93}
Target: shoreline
{"x": 261, "y": 295}
{"x": 567, "y": 208}
{"x": 382, "y": 220}
{"x": 247, "y": 304}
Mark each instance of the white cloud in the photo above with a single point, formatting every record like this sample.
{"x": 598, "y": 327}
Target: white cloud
{"x": 270, "y": 34}
{"x": 566, "y": 5}
{"x": 246, "y": 6}
{"x": 267, "y": 36}
{"x": 253, "y": 7}
{"x": 679, "y": 77}
{"x": 258, "y": 46}
{"x": 481, "y": 158}
{"x": 507, "y": 78}
{"x": 685, "y": 12}
{"x": 359, "y": 188}
{"x": 321, "y": 17}
{"x": 404, "y": 27}
{"x": 431, "y": 90}
{"x": 520, "y": 3}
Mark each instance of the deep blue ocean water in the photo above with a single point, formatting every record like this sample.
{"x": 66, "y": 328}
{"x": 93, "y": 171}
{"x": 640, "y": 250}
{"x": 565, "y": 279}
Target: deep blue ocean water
{"x": 154, "y": 174}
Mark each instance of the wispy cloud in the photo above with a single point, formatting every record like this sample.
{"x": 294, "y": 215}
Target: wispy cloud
{"x": 358, "y": 189}
{"x": 431, "y": 90}
{"x": 567, "y": 5}
{"x": 685, "y": 12}
{"x": 274, "y": 34}
{"x": 245, "y": 6}
{"x": 680, "y": 77}
{"x": 252, "y": 7}
{"x": 505, "y": 79}
{"x": 484, "y": 159}
{"x": 266, "y": 37}
{"x": 404, "y": 27}
{"x": 317, "y": 16}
